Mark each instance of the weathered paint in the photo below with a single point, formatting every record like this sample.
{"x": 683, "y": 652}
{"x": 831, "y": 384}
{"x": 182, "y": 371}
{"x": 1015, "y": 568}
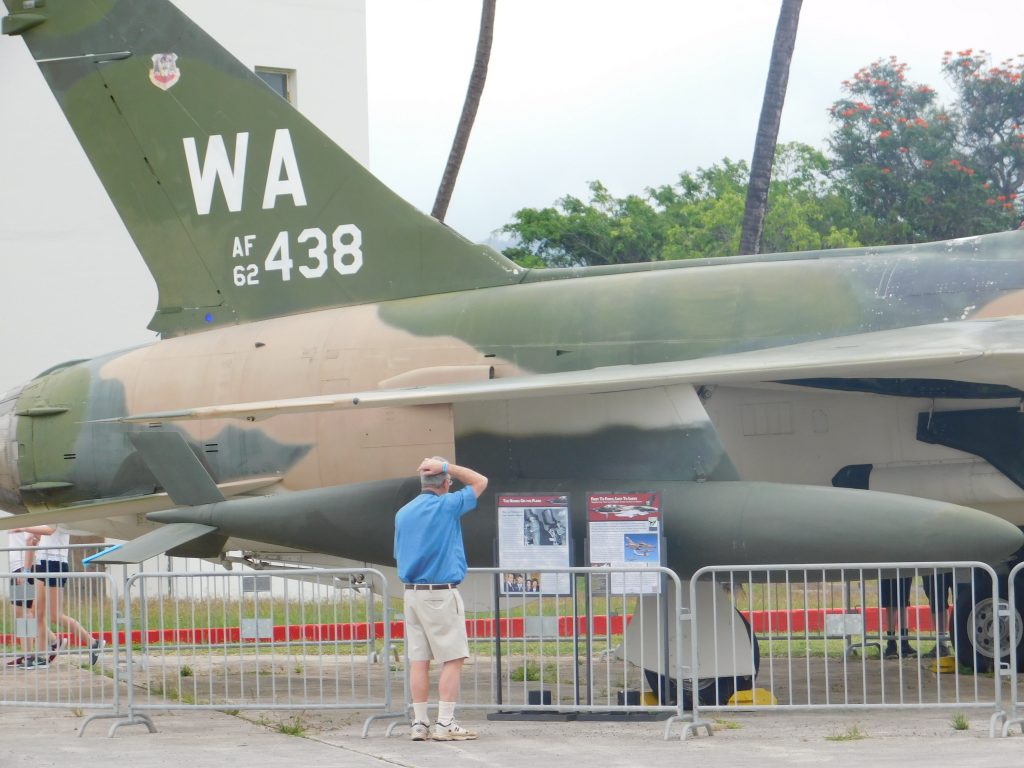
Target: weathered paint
{"x": 285, "y": 270}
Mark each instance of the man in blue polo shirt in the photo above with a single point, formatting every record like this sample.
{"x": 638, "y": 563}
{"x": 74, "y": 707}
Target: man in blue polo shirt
{"x": 432, "y": 562}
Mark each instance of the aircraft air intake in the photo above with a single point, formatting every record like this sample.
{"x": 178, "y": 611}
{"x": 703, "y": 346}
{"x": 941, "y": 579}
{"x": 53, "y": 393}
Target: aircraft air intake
{"x": 10, "y": 498}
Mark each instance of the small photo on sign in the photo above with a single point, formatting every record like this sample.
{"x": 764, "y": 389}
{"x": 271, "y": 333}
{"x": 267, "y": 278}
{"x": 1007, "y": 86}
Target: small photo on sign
{"x": 640, "y": 547}
{"x": 520, "y": 583}
{"x": 545, "y": 527}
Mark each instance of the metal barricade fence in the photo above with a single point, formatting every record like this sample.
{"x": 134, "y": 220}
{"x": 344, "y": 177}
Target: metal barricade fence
{"x": 823, "y": 636}
{"x": 60, "y": 644}
{"x": 585, "y": 647}
{"x": 280, "y": 639}
{"x": 600, "y": 642}
{"x": 1010, "y": 613}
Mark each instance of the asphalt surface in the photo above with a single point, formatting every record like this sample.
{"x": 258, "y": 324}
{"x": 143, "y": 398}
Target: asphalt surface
{"x": 195, "y": 739}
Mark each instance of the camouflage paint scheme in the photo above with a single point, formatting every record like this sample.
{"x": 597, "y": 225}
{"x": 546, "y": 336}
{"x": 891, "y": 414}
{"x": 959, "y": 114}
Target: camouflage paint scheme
{"x": 286, "y": 271}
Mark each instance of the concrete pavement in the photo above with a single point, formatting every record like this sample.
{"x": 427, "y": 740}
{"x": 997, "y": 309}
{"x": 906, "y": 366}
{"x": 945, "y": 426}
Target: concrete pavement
{"x": 37, "y": 738}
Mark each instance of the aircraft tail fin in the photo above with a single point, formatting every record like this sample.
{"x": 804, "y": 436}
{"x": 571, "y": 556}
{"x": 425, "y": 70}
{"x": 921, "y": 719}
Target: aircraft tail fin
{"x": 241, "y": 208}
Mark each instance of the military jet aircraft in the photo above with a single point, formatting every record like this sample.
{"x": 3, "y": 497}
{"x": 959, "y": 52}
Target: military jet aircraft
{"x": 622, "y": 510}
{"x": 639, "y": 548}
{"x": 319, "y": 336}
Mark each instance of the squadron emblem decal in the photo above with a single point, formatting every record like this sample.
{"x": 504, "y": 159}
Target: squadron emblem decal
{"x": 165, "y": 72}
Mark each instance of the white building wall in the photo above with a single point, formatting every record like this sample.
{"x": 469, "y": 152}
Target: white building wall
{"x": 324, "y": 41}
{"x": 58, "y": 230}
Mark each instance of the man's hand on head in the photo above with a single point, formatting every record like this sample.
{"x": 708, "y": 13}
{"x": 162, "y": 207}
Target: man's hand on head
{"x": 431, "y": 467}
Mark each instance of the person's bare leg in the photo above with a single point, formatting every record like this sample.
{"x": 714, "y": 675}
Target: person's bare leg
{"x": 40, "y": 607}
{"x": 419, "y": 680}
{"x": 55, "y": 606}
{"x": 451, "y": 677}
{"x": 447, "y": 728}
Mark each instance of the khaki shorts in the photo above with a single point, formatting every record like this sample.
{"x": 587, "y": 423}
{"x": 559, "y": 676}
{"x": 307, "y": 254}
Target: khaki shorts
{"x": 435, "y": 625}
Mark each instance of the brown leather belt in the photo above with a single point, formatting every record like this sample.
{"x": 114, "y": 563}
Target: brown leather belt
{"x": 431, "y": 586}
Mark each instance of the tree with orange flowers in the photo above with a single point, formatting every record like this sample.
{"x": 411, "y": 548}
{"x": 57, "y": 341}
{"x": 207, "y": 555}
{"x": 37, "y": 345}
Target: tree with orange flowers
{"x": 992, "y": 119}
{"x": 921, "y": 170}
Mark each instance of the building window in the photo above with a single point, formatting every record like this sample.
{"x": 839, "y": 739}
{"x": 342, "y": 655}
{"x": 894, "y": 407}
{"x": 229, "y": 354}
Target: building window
{"x": 281, "y": 80}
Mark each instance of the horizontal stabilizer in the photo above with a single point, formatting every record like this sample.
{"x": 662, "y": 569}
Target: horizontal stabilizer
{"x": 176, "y": 468}
{"x": 151, "y": 544}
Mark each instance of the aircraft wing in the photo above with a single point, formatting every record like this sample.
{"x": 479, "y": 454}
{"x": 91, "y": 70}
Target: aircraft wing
{"x": 978, "y": 351}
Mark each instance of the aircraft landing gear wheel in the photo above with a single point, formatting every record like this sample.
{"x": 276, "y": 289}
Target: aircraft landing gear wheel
{"x": 977, "y": 626}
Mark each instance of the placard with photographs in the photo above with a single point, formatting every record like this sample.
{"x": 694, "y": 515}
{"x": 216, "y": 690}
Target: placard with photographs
{"x": 624, "y": 529}
{"x": 533, "y": 532}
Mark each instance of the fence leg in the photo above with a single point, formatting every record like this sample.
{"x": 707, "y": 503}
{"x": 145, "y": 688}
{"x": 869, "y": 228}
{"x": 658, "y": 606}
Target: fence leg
{"x": 135, "y": 719}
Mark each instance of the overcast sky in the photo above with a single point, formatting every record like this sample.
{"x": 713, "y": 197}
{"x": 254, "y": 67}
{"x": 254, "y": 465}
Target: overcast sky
{"x": 630, "y": 93}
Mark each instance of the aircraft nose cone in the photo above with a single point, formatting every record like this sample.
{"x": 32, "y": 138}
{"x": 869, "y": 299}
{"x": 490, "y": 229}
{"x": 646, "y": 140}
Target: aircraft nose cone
{"x": 957, "y": 530}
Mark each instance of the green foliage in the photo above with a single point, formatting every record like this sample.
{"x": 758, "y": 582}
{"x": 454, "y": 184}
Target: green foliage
{"x": 992, "y": 113}
{"x": 699, "y": 216}
{"x": 920, "y": 170}
{"x": 532, "y": 671}
{"x": 960, "y": 722}
{"x": 903, "y": 168}
{"x": 607, "y": 230}
{"x": 295, "y": 728}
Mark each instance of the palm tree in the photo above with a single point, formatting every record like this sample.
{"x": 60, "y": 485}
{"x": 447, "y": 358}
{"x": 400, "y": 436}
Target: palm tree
{"x": 768, "y": 126}
{"x": 476, "y": 89}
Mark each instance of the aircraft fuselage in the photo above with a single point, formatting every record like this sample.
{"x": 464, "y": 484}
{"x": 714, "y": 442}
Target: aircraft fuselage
{"x": 565, "y": 321}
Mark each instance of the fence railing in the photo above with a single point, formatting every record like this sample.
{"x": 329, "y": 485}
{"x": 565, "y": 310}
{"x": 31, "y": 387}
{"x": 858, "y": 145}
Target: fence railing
{"x": 59, "y": 641}
{"x": 582, "y": 651}
{"x": 849, "y": 635}
{"x": 633, "y": 642}
{"x": 281, "y": 639}
{"x": 1008, "y": 614}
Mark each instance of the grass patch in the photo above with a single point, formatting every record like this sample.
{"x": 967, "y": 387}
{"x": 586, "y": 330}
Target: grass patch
{"x": 853, "y": 733}
{"x": 726, "y": 725}
{"x": 185, "y": 671}
{"x": 295, "y": 728}
{"x": 799, "y": 649}
{"x": 959, "y": 722}
{"x": 532, "y": 671}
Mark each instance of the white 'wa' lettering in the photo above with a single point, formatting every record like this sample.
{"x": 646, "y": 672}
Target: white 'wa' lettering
{"x": 283, "y": 178}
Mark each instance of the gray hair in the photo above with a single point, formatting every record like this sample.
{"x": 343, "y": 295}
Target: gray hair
{"x": 433, "y": 481}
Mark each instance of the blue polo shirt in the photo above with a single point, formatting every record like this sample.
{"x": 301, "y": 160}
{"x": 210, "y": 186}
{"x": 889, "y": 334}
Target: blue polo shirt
{"x": 428, "y": 537}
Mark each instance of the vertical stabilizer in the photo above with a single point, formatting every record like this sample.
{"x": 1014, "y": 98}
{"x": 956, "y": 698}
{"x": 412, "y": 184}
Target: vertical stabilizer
{"x": 241, "y": 208}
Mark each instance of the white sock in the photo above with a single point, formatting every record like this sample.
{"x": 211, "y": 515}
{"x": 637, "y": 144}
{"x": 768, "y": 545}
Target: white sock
{"x": 419, "y": 709}
{"x": 445, "y": 712}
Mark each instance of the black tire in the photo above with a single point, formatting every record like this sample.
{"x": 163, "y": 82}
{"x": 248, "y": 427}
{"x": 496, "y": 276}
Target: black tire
{"x": 976, "y": 625}
{"x": 710, "y": 690}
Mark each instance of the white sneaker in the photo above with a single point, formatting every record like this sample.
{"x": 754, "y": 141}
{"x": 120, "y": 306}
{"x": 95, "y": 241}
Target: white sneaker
{"x": 451, "y": 732}
{"x": 420, "y": 731}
